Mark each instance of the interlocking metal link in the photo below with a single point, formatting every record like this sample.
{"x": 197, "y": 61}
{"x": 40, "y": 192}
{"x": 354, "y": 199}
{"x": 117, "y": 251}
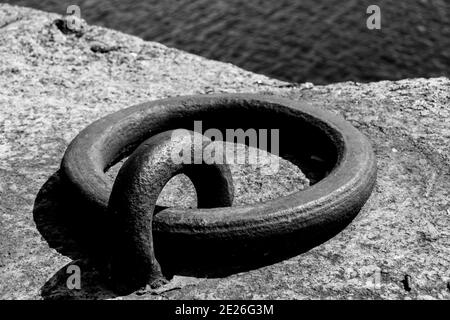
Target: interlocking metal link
{"x": 343, "y": 180}
{"x": 135, "y": 192}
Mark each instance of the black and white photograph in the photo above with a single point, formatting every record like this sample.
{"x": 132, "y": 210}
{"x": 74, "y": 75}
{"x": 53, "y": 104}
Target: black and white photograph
{"x": 225, "y": 158}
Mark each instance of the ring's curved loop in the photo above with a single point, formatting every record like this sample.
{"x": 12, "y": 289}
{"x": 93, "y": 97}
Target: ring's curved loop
{"x": 347, "y": 172}
{"x": 135, "y": 192}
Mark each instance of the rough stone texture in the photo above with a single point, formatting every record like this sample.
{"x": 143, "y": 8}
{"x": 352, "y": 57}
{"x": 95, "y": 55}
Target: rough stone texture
{"x": 54, "y": 84}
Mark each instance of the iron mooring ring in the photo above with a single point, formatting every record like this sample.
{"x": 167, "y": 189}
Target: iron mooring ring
{"x": 343, "y": 180}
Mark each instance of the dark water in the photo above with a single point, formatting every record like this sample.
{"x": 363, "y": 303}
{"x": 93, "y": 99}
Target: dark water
{"x": 320, "y": 41}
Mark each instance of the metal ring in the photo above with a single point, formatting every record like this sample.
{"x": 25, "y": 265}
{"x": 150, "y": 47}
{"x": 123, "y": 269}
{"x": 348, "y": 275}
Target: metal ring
{"x": 135, "y": 192}
{"x": 345, "y": 175}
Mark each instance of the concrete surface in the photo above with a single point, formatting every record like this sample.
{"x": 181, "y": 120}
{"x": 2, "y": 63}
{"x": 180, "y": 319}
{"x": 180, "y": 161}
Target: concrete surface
{"x": 54, "y": 84}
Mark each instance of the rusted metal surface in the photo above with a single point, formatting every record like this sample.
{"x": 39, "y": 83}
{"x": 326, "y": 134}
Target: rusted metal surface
{"x": 344, "y": 176}
{"x": 135, "y": 192}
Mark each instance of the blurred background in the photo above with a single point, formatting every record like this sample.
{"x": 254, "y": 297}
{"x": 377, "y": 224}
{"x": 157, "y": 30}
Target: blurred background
{"x": 319, "y": 41}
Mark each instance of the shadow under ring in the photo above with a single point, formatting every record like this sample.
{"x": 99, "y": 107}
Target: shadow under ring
{"x": 343, "y": 177}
